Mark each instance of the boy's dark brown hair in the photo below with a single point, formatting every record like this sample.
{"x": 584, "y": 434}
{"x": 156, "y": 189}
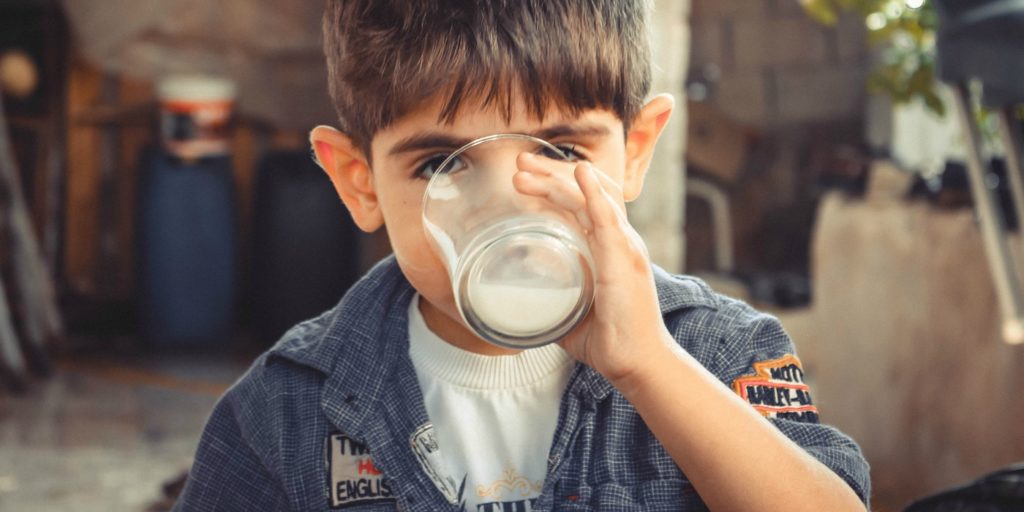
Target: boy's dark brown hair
{"x": 386, "y": 57}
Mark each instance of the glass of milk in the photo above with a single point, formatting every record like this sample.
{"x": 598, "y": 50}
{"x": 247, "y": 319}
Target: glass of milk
{"x": 521, "y": 271}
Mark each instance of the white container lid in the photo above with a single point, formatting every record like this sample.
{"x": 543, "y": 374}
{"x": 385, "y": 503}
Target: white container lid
{"x": 195, "y": 88}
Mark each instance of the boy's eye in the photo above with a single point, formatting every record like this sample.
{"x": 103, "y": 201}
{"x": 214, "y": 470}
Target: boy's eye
{"x": 568, "y": 150}
{"x": 429, "y": 166}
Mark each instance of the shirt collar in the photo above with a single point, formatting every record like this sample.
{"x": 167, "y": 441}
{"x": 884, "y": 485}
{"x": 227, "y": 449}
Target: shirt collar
{"x": 368, "y": 329}
{"x": 356, "y": 345}
{"x": 352, "y": 330}
{"x": 677, "y": 292}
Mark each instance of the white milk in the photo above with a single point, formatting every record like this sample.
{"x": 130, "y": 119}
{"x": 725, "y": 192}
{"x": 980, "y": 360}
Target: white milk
{"x": 522, "y": 310}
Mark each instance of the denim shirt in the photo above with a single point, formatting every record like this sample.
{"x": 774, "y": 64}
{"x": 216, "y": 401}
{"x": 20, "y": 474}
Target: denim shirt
{"x": 344, "y": 381}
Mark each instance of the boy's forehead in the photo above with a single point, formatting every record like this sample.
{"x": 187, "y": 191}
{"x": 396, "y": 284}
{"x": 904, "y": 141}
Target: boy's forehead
{"x": 474, "y": 120}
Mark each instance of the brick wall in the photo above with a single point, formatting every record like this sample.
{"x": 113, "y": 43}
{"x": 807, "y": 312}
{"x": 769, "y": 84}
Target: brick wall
{"x": 776, "y": 67}
{"x": 658, "y": 214}
{"x": 800, "y": 86}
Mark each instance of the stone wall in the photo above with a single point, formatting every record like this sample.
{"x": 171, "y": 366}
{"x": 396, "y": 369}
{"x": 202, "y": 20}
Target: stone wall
{"x": 902, "y": 344}
{"x": 798, "y": 88}
{"x": 770, "y": 66}
{"x": 658, "y": 214}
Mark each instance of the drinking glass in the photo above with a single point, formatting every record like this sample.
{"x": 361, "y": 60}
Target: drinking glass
{"x": 520, "y": 270}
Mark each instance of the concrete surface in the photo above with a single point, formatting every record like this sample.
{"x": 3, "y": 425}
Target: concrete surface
{"x": 104, "y": 435}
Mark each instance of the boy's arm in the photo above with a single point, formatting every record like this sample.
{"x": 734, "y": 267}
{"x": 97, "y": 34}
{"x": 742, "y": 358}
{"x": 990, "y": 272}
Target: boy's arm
{"x": 721, "y": 443}
{"x": 758, "y": 358}
{"x": 726, "y": 448}
{"x": 227, "y": 474}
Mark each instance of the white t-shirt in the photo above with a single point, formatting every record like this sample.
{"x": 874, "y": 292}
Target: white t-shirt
{"x": 494, "y": 416}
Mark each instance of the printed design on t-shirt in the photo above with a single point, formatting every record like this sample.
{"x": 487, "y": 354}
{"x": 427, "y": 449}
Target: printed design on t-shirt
{"x": 777, "y": 390}
{"x": 512, "y": 492}
{"x": 512, "y": 481}
{"x": 354, "y": 479}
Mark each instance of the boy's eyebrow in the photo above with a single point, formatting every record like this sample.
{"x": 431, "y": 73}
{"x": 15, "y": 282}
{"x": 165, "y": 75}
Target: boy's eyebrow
{"x": 427, "y": 141}
{"x": 573, "y": 130}
{"x": 432, "y": 140}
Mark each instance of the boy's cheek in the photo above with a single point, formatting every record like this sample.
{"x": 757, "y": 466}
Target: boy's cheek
{"x": 425, "y": 272}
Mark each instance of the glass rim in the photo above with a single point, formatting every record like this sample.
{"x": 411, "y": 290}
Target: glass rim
{"x": 499, "y": 136}
{"x": 483, "y": 140}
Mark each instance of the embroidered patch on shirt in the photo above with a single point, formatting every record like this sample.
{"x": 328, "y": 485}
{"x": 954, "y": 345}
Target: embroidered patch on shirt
{"x": 355, "y": 480}
{"x": 777, "y": 390}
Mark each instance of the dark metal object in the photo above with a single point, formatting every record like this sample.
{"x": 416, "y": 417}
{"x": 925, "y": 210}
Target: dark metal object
{"x": 980, "y": 41}
{"x": 1002, "y": 491}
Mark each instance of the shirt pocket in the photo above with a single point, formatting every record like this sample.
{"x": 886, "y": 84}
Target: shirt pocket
{"x": 654, "y": 496}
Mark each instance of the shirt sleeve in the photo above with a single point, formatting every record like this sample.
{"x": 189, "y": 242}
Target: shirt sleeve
{"x": 761, "y": 365}
{"x": 227, "y": 474}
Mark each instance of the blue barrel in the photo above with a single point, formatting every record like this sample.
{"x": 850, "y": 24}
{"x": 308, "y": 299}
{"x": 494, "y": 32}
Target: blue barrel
{"x": 186, "y": 250}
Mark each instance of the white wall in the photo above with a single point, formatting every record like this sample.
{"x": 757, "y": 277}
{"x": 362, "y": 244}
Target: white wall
{"x": 658, "y": 214}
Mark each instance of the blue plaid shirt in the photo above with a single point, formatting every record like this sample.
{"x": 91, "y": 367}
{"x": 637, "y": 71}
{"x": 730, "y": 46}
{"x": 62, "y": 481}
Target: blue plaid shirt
{"x": 347, "y": 376}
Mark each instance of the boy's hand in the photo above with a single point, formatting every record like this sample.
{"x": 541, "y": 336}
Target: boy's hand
{"x": 715, "y": 437}
{"x": 624, "y": 330}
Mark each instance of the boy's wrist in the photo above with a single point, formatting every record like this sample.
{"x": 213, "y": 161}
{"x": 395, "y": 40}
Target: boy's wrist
{"x": 646, "y": 364}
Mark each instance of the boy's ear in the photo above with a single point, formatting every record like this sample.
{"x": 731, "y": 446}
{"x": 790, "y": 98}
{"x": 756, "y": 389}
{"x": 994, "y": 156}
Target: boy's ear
{"x": 350, "y": 173}
{"x": 640, "y": 141}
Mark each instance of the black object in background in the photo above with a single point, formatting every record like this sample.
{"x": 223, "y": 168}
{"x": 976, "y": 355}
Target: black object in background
{"x": 951, "y": 189}
{"x": 981, "y": 39}
{"x": 1002, "y": 491}
{"x": 305, "y": 253}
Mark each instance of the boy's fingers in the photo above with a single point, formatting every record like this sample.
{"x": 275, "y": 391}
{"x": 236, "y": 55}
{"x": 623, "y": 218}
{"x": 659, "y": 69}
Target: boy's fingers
{"x": 604, "y": 213}
{"x": 532, "y": 163}
{"x": 538, "y": 166}
{"x": 617, "y": 246}
{"x": 542, "y": 165}
{"x": 613, "y": 189}
{"x": 558, "y": 190}
{"x": 588, "y": 194}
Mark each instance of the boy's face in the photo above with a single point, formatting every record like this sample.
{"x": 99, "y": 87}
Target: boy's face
{"x": 392, "y": 194}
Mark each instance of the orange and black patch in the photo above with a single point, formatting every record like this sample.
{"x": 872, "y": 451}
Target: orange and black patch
{"x": 777, "y": 390}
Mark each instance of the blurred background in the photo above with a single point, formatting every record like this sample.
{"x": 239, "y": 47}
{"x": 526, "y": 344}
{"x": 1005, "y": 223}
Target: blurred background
{"x": 847, "y": 165}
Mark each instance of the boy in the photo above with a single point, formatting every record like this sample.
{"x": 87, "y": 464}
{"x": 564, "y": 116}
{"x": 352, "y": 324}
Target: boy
{"x": 657, "y": 401}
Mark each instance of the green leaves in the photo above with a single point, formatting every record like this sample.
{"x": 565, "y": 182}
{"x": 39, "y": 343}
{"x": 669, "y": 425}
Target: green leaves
{"x": 828, "y": 11}
{"x": 824, "y": 11}
{"x": 906, "y": 28}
